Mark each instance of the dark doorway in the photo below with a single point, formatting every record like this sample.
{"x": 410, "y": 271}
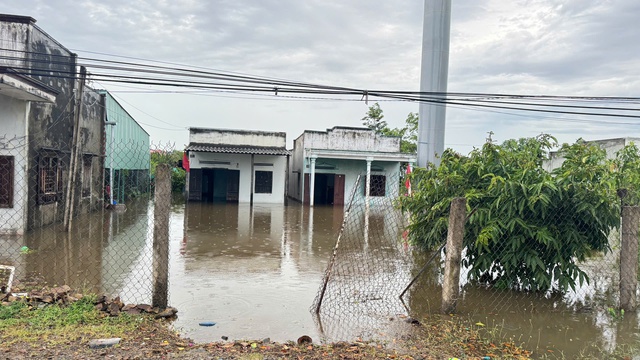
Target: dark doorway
{"x": 220, "y": 185}
{"x": 328, "y": 189}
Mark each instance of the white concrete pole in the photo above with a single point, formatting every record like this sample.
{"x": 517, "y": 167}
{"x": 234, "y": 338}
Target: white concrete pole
{"x": 433, "y": 79}
{"x": 312, "y": 178}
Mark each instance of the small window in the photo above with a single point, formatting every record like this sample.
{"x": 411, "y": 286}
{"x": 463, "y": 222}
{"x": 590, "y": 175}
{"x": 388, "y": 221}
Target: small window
{"x": 49, "y": 179}
{"x": 378, "y": 185}
{"x": 264, "y": 182}
{"x": 6, "y": 181}
{"x": 86, "y": 175}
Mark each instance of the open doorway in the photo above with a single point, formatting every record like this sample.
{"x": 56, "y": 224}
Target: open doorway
{"x": 220, "y": 185}
{"x": 328, "y": 189}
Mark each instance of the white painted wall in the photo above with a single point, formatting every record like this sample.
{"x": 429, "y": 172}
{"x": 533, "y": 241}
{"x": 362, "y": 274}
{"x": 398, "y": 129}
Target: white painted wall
{"x": 242, "y": 162}
{"x": 13, "y": 140}
{"x": 279, "y": 169}
{"x": 237, "y": 137}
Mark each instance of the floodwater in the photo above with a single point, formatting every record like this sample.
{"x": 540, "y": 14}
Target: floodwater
{"x": 255, "y": 272}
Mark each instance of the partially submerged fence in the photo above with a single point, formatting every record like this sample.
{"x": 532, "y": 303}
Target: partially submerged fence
{"x": 375, "y": 275}
{"x": 83, "y": 218}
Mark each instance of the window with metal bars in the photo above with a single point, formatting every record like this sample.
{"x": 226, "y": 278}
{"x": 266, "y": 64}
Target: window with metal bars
{"x": 49, "y": 179}
{"x": 263, "y": 182}
{"x": 378, "y": 185}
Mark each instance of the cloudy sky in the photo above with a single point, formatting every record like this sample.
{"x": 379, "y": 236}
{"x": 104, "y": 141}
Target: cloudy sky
{"x": 550, "y": 47}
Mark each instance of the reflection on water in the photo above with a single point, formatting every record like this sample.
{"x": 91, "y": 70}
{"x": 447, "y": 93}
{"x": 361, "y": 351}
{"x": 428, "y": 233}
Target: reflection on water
{"x": 255, "y": 272}
{"x": 98, "y": 255}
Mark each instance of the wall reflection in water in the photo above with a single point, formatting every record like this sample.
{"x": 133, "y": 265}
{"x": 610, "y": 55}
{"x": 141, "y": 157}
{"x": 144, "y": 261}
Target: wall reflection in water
{"x": 252, "y": 269}
{"x": 103, "y": 253}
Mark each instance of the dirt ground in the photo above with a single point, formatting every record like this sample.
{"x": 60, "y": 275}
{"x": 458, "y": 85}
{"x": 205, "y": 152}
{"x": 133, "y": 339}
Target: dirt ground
{"x": 153, "y": 339}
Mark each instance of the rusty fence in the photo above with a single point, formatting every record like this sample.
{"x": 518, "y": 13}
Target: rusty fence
{"x": 377, "y": 277}
{"x": 87, "y": 219}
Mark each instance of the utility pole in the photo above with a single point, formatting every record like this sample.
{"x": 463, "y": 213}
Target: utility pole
{"x": 433, "y": 80}
{"x": 75, "y": 150}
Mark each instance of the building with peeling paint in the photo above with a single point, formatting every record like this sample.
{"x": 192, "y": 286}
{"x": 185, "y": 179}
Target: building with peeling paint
{"x": 236, "y": 166}
{"x": 325, "y": 165}
{"x": 43, "y": 114}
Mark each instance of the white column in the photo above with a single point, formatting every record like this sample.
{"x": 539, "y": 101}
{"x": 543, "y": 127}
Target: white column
{"x": 312, "y": 178}
{"x": 366, "y": 212}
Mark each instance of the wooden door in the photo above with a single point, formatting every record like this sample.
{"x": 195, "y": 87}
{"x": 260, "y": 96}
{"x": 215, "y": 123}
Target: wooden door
{"x": 195, "y": 184}
{"x": 338, "y": 190}
{"x": 233, "y": 185}
{"x": 306, "y": 189}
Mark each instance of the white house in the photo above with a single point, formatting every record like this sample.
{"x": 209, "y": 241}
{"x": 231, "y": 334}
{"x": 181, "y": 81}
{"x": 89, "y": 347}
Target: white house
{"x": 237, "y": 166}
{"x": 327, "y": 164}
{"x": 17, "y": 92}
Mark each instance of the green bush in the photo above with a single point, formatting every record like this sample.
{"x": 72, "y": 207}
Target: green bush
{"x": 529, "y": 228}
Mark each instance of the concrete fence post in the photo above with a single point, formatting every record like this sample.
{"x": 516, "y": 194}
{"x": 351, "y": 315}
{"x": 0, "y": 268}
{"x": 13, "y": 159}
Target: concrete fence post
{"x": 453, "y": 260}
{"x": 162, "y": 206}
{"x": 629, "y": 257}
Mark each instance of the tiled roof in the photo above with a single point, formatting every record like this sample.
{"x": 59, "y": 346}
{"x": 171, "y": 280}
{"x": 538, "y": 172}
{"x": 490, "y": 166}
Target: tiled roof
{"x": 238, "y": 149}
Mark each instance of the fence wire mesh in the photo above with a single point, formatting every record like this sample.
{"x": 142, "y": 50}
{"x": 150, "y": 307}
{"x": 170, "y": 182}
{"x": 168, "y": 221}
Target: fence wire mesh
{"x": 78, "y": 218}
{"x": 370, "y": 264}
{"x": 376, "y": 277}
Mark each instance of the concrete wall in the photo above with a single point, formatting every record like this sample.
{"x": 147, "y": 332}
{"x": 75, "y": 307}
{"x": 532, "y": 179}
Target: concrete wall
{"x": 13, "y": 139}
{"x": 610, "y": 145}
{"x": 237, "y": 137}
{"x": 242, "y": 162}
{"x": 279, "y": 169}
{"x": 352, "y": 139}
{"x": 296, "y": 177}
{"x": 50, "y": 126}
{"x": 352, "y": 168}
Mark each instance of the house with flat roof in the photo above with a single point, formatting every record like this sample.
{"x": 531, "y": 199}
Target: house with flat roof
{"x": 51, "y": 131}
{"x": 243, "y": 166}
{"x": 326, "y": 164}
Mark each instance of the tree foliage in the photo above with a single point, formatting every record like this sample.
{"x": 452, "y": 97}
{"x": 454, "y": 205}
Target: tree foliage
{"x": 408, "y": 134}
{"x": 171, "y": 158}
{"x": 529, "y": 228}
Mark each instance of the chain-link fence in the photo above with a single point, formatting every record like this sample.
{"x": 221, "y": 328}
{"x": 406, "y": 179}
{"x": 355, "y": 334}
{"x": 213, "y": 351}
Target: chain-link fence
{"x": 70, "y": 216}
{"x": 371, "y": 264}
{"x": 526, "y": 271}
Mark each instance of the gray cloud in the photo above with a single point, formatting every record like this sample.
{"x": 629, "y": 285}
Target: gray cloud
{"x": 525, "y": 46}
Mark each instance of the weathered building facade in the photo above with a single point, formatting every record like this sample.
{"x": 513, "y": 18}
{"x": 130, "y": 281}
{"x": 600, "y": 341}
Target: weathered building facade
{"x": 237, "y": 166}
{"x": 325, "y": 165}
{"x": 50, "y": 164}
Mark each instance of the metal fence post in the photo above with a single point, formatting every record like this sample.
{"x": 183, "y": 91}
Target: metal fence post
{"x": 629, "y": 257}
{"x": 162, "y": 200}
{"x": 455, "y": 235}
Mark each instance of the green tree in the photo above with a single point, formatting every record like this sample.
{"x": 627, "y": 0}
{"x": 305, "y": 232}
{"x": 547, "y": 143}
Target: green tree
{"x": 171, "y": 158}
{"x": 408, "y": 134}
{"x": 373, "y": 119}
{"x": 530, "y": 228}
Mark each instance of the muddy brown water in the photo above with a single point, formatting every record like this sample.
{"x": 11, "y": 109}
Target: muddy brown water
{"x": 255, "y": 270}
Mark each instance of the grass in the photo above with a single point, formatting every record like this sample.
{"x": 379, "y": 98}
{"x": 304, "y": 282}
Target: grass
{"x": 20, "y": 322}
